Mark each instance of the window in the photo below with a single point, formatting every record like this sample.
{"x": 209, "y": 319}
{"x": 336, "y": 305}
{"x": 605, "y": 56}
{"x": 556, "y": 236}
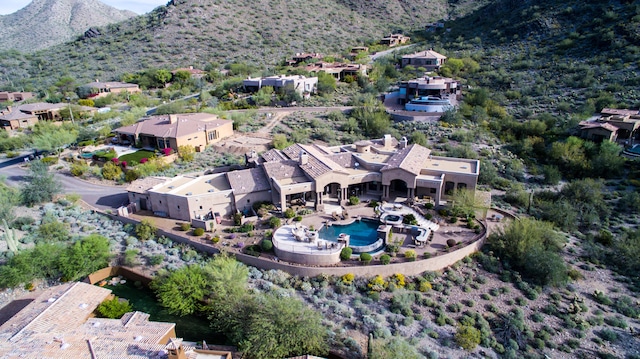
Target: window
{"x": 200, "y": 207}
{"x": 178, "y": 207}
{"x": 462, "y": 186}
{"x": 448, "y": 187}
{"x": 432, "y": 190}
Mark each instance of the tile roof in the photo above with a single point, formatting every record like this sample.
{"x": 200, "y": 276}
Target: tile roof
{"x": 273, "y": 155}
{"x": 411, "y": 159}
{"x": 41, "y": 106}
{"x": 429, "y": 54}
{"x": 183, "y": 125}
{"x": 586, "y": 125}
{"x": 249, "y": 180}
{"x": 318, "y": 164}
{"x": 283, "y": 169}
{"x": 16, "y": 115}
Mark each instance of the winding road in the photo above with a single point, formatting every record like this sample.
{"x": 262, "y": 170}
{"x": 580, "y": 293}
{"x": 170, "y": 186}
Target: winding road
{"x": 96, "y": 195}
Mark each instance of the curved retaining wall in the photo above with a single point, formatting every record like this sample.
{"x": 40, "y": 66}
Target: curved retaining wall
{"x": 407, "y": 268}
{"x": 128, "y": 273}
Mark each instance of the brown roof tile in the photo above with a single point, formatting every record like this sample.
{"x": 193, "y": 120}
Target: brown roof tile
{"x": 411, "y": 159}
{"x": 249, "y": 180}
{"x": 184, "y": 125}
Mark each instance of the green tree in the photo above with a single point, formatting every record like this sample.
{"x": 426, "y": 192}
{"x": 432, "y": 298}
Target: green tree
{"x": 9, "y": 198}
{"x": 419, "y": 138}
{"x": 467, "y": 337}
{"x": 326, "y": 83}
{"x": 608, "y": 163}
{"x": 114, "y": 308}
{"x": 264, "y": 96}
{"x": 162, "y": 76}
{"x": 49, "y": 137}
{"x": 146, "y": 229}
{"x": 269, "y": 326}
{"x": 66, "y": 86}
{"x": 182, "y": 291}
{"x": 41, "y": 185}
{"x": 84, "y": 257}
{"x": 372, "y": 119}
{"x": 531, "y": 247}
{"x": 181, "y": 77}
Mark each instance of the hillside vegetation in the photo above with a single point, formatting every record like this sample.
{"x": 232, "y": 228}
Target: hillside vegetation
{"x": 44, "y": 23}
{"x": 197, "y": 32}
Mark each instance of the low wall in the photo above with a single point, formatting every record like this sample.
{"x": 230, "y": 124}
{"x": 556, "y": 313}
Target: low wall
{"x": 128, "y": 273}
{"x": 407, "y": 268}
{"x": 312, "y": 259}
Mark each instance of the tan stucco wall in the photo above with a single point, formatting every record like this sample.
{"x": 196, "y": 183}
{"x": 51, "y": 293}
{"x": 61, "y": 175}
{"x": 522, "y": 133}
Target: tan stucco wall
{"x": 224, "y": 131}
{"x": 193, "y": 140}
{"x": 399, "y": 174}
{"x": 247, "y": 200}
{"x": 313, "y": 260}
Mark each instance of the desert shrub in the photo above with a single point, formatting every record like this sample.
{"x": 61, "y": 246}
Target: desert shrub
{"x": 111, "y": 171}
{"x": 145, "y": 230}
{"x": 78, "y": 169}
{"x": 289, "y": 213}
{"x": 616, "y": 322}
{"x": 627, "y": 306}
{"x": 267, "y": 245}
{"x": 377, "y": 284}
{"x": 608, "y": 335}
{"x": 345, "y": 253}
{"x": 537, "y": 317}
{"x": 198, "y": 232}
{"x": 410, "y": 254}
{"x": 451, "y": 242}
{"x": 424, "y": 286}
{"x": 275, "y": 222}
{"x": 467, "y": 337}
{"x": 156, "y": 259}
{"x": 297, "y": 218}
{"x": 365, "y": 258}
{"x": 237, "y": 219}
{"x": 353, "y": 200}
{"x": 185, "y": 226}
{"x": 130, "y": 257}
{"x": 601, "y": 298}
{"x": 385, "y": 259}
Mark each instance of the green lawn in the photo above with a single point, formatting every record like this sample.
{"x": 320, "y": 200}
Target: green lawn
{"x": 136, "y": 156}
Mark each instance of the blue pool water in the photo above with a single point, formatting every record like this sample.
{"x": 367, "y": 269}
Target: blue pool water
{"x": 635, "y": 149}
{"x": 363, "y": 232}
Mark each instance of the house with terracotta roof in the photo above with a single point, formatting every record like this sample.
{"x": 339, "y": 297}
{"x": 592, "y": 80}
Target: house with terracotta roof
{"x": 99, "y": 89}
{"x": 613, "y": 125}
{"x": 428, "y": 59}
{"x": 394, "y": 40}
{"x": 383, "y": 169}
{"x": 11, "y": 119}
{"x": 301, "y": 57}
{"x": 44, "y": 111}
{"x": 171, "y": 131}
{"x": 60, "y": 323}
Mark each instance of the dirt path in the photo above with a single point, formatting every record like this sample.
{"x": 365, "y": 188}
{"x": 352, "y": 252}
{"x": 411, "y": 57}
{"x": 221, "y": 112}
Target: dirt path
{"x": 274, "y": 122}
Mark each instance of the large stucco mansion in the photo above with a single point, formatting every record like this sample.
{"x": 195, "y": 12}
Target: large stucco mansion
{"x": 382, "y": 169}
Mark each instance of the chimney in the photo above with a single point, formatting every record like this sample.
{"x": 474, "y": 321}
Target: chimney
{"x": 387, "y": 141}
{"x": 304, "y": 157}
{"x": 173, "y": 119}
{"x": 403, "y": 142}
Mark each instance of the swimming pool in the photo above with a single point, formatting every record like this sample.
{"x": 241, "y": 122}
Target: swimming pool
{"x": 363, "y": 234}
{"x": 635, "y": 149}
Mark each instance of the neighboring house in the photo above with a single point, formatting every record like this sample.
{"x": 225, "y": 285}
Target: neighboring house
{"x": 11, "y": 119}
{"x": 427, "y": 86}
{"x": 15, "y": 96}
{"x": 171, "y": 131}
{"x": 43, "y": 110}
{"x": 339, "y": 70}
{"x": 432, "y": 27}
{"x": 394, "y": 39}
{"x": 61, "y": 323}
{"x": 384, "y": 169}
{"x": 301, "y": 57}
{"x": 613, "y": 125}
{"x": 301, "y": 84}
{"x": 357, "y": 50}
{"x": 101, "y": 89}
{"x": 195, "y": 73}
{"x": 429, "y": 59}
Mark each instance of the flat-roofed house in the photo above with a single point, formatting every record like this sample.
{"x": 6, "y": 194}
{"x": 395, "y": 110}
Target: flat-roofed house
{"x": 301, "y": 84}
{"x": 15, "y": 96}
{"x": 43, "y": 110}
{"x": 312, "y": 174}
{"x": 171, "y": 131}
{"x": 99, "y": 89}
{"x": 394, "y": 40}
{"x": 428, "y": 59}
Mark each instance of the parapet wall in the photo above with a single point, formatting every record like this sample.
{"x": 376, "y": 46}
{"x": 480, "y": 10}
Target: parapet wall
{"x": 128, "y": 273}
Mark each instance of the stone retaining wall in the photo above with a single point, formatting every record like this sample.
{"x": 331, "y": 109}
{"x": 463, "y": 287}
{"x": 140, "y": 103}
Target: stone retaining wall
{"x": 128, "y": 273}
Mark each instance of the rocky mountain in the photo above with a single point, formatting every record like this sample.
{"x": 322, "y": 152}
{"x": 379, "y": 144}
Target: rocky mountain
{"x": 44, "y": 23}
{"x": 196, "y": 32}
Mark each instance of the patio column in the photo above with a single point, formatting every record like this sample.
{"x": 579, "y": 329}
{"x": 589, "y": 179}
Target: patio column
{"x": 345, "y": 194}
{"x": 409, "y": 193}
{"x": 385, "y": 191}
{"x": 283, "y": 201}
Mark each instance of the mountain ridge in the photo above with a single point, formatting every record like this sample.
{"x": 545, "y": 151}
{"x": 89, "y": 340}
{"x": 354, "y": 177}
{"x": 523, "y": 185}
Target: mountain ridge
{"x": 45, "y": 23}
